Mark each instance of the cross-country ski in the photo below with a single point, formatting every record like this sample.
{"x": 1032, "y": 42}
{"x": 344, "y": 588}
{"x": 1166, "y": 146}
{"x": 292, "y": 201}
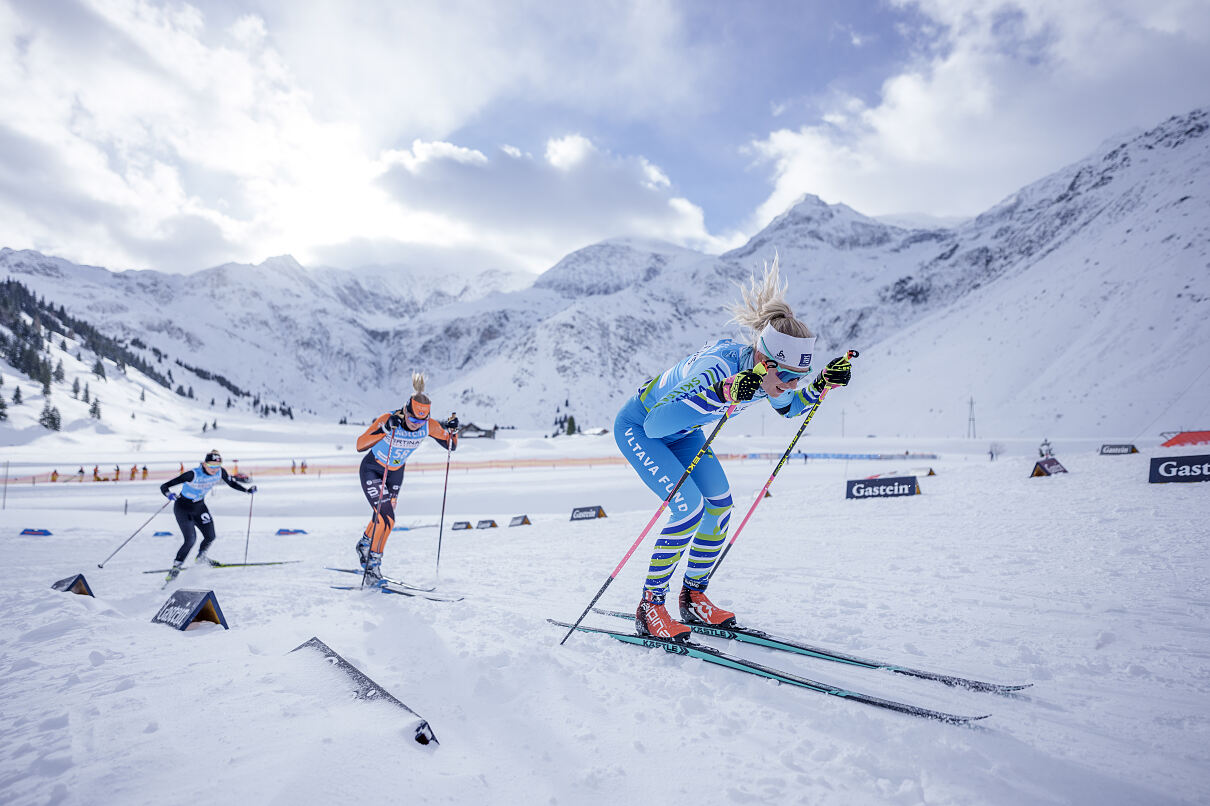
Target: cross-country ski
{"x": 215, "y": 564}
{"x": 716, "y": 657}
{"x": 398, "y": 583}
{"x": 390, "y": 587}
{"x": 763, "y": 639}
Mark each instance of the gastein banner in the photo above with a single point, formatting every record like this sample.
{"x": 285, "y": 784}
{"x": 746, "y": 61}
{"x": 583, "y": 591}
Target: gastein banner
{"x": 882, "y": 488}
{"x": 1166, "y": 469}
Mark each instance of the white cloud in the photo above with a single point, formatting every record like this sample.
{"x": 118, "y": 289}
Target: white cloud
{"x": 422, "y": 152}
{"x": 567, "y": 152}
{"x": 1000, "y": 94}
{"x": 656, "y": 178}
{"x": 429, "y": 67}
{"x": 574, "y": 195}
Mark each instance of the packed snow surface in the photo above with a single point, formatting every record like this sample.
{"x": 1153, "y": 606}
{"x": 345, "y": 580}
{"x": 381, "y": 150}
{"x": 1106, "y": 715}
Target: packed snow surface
{"x": 1093, "y": 586}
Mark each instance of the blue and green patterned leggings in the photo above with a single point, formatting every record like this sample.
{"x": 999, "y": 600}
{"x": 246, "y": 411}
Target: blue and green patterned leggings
{"x": 701, "y": 511}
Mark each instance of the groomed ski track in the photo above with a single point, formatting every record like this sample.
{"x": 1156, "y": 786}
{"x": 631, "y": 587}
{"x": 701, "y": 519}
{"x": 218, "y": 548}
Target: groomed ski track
{"x": 1090, "y": 586}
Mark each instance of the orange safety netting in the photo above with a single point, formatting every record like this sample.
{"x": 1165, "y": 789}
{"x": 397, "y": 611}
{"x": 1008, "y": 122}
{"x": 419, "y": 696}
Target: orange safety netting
{"x": 1189, "y": 438}
{"x": 256, "y": 471}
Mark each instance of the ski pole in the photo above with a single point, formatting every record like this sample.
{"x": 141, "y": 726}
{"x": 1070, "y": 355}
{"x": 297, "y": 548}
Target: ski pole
{"x": 663, "y": 505}
{"x": 444, "y": 490}
{"x": 784, "y": 457}
{"x": 136, "y": 531}
{"x": 248, "y": 534}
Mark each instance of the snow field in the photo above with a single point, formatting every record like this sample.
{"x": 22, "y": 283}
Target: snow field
{"x": 1094, "y": 586}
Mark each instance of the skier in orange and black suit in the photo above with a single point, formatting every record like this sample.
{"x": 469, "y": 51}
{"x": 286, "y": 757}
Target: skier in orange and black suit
{"x": 390, "y": 440}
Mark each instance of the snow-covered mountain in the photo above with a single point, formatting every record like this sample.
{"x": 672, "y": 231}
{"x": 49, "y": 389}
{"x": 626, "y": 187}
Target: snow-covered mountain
{"x": 1078, "y": 306}
{"x": 271, "y": 328}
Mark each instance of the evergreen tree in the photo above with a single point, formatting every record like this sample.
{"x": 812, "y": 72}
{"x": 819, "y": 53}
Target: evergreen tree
{"x": 63, "y": 345}
{"x": 571, "y": 424}
{"x": 75, "y": 388}
{"x": 3, "y": 410}
{"x": 94, "y": 410}
{"x": 50, "y": 418}
{"x": 204, "y": 427}
{"x": 180, "y": 390}
{"x": 98, "y": 369}
{"x": 86, "y": 394}
{"x": 142, "y": 394}
{"x": 46, "y": 387}
{"x": 190, "y": 393}
{"x": 17, "y": 396}
{"x": 60, "y": 375}
{"x": 214, "y": 425}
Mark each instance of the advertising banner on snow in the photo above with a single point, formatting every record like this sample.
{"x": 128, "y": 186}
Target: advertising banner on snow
{"x": 1166, "y": 469}
{"x": 1117, "y": 450}
{"x": 185, "y": 607}
{"x": 882, "y": 488}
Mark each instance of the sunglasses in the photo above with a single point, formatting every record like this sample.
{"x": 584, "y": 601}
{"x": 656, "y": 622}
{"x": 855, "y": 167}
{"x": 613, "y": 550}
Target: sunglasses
{"x": 212, "y": 465}
{"x": 789, "y": 375}
{"x": 416, "y": 420}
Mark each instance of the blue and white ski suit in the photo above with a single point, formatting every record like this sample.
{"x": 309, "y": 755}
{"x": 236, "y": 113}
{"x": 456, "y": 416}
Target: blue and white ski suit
{"x": 659, "y": 431}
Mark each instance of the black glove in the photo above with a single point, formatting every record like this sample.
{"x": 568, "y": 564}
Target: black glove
{"x": 741, "y": 386}
{"x": 394, "y": 422}
{"x": 252, "y": 489}
{"x": 451, "y": 424}
{"x": 837, "y": 373}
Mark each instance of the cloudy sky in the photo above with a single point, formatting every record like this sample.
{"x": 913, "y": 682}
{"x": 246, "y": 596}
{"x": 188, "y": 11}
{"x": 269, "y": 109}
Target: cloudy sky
{"x": 507, "y": 133}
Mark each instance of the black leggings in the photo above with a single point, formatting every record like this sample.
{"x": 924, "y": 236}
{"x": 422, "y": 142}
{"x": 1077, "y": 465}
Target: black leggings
{"x": 188, "y": 515}
{"x": 381, "y": 493}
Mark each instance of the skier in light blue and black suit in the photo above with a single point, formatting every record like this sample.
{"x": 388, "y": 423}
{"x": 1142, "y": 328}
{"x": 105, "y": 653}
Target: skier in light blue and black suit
{"x": 660, "y": 431}
{"x": 190, "y": 507}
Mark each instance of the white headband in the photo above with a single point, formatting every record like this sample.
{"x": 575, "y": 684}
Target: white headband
{"x": 789, "y": 351}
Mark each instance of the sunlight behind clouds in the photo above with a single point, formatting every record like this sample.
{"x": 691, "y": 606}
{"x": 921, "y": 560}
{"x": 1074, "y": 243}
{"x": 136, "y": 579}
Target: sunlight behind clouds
{"x": 275, "y": 129}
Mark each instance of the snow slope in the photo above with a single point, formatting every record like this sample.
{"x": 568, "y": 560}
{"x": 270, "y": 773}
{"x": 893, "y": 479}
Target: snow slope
{"x": 1093, "y": 586}
{"x": 1076, "y": 307}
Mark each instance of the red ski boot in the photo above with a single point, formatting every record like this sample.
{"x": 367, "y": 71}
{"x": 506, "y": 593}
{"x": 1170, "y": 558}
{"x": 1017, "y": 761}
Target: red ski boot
{"x": 697, "y": 609}
{"x": 652, "y": 619}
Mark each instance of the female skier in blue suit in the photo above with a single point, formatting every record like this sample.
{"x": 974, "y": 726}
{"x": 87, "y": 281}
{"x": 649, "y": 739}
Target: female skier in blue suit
{"x": 660, "y": 430}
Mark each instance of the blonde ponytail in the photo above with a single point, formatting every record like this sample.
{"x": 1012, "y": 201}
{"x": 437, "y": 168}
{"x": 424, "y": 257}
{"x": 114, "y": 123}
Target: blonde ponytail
{"x": 764, "y": 303}
{"x": 418, "y": 388}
